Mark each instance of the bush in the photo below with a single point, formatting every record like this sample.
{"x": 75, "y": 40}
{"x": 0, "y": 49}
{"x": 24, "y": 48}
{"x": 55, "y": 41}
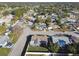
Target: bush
{"x": 54, "y": 48}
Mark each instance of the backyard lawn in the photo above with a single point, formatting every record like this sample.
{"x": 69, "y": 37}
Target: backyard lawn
{"x": 4, "y": 51}
{"x": 37, "y": 49}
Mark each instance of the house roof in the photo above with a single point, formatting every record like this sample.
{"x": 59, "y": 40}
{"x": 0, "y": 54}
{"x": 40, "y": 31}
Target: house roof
{"x": 4, "y": 39}
{"x": 41, "y": 38}
{"x": 57, "y": 38}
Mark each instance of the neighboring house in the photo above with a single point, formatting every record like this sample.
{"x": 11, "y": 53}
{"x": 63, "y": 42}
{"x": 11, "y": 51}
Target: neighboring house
{"x": 38, "y": 40}
{"x": 6, "y": 19}
{"x": 4, "y": 40}
{"x": 61, "y": 40}
{"x": 1, "y": 22}
{"x": 30, "y": 12}
{"x": 75, "y": 11}
{"x": 71, "y": 20}
{"x": 72, "y": 16}
{"x": 43, "y": 16}
{"x": 53, "y": 17}
{"x": 53, "y": 26}
{"x": 67, "y": 20}
{"x": 42, "y": 26}
{"x": 31, "y": 21}
{"x": 63, "y": 20}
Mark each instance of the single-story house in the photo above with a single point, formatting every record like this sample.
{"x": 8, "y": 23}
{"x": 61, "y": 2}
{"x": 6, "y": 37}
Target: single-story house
{"x": 63, "y": 20}
{"x": 71, "y": 20}
{"x": 60, "y": 40}
{"x": 1, "y": 21}
{"x": 67, "y": 20}
{"x": 39, "y": 40}
{"x": 53, "y": 26}
{"x": 53, "y": 17}
{"x": 72, "y": 16}
{"x": 4, "y": 40}
{"x": 6, "y": 19}
{"x": 42, "y": 26}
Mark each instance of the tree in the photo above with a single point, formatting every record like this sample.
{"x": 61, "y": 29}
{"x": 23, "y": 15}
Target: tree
{"x": 78, "y": 47}
{"x": 72, "y": 48}
{"x": 6, "y": 13}
{"x": 54, "y": 48}
{"x": 48, "y": 21}
{"x": 19, "y": 12}
{"x": 58, "y": 20}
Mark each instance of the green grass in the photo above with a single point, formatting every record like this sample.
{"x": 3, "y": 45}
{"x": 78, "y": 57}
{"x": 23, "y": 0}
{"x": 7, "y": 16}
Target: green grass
{"x": 2, "y": 29}
{"x": 13, "y": 37}
{"x": 4, "y": 51}
{"x": 37, "y": 49}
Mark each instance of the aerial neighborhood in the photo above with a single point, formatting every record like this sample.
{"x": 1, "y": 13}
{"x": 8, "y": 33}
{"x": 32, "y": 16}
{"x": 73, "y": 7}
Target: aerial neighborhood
{"x": 39, "y": 29}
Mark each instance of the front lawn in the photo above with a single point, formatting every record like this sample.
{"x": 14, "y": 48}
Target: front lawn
{"x": 37, "y": 49}
{"x": 2, "y": 29}
{"x": 4, "y": 51}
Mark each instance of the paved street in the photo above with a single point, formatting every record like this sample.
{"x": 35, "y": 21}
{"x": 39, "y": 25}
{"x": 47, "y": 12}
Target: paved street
{"x": 18, "y": 47}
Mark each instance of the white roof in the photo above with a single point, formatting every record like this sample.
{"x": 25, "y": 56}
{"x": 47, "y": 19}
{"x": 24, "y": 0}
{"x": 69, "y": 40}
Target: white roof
{"x": 49, "y": 27}
{"x": 1, "y": 20}
{"x": 69, "y": 19}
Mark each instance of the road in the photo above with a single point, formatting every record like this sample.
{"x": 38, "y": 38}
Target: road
{"x": 18, "y": 47}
